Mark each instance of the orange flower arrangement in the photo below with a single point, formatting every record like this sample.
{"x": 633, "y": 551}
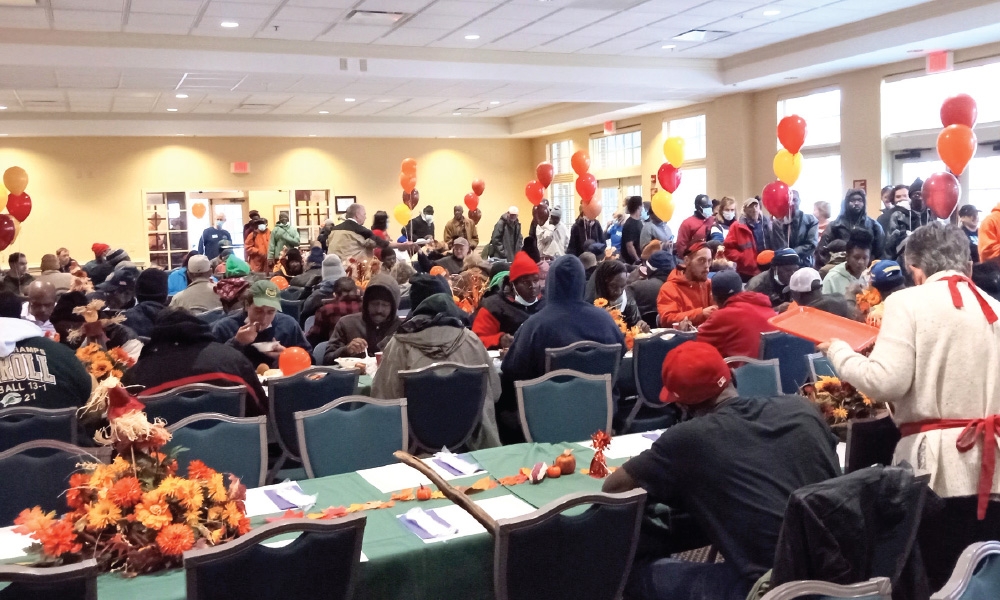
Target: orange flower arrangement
{"x": 468, "y": 288}
{"x": 840, "y": 401}
{"x": 103, "y": 363}
{"x": 628, "y": 332}
{"x": 362, "y": 271}
{"x": 136, "y": 515}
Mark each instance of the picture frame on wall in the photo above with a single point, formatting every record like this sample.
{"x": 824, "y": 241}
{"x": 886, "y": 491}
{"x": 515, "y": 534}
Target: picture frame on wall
{"x": 342, "y": 202}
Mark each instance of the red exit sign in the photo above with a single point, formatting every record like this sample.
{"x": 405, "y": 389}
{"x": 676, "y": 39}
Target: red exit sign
{"x": 939, "y": 62}
{"x": 239, "y": 168}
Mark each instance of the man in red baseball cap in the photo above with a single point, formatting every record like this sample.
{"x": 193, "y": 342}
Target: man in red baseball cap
{"x": 733, "y": 465}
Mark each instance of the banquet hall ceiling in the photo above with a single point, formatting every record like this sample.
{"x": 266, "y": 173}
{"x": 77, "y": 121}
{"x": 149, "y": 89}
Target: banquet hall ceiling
{"x": 429, "y": 68}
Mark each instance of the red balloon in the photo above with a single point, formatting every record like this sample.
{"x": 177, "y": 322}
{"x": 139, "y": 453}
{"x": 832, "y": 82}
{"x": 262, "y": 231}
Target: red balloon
{"x": 941, "y": 193}
{"x": 580, "y": 162}
{"x": 534, "y": 192}
{"x": 959, "y": 110}
{"x": 792, "y": 133}
{"x": 669, "y": 177}
{"x": 475, "y": 215}
{"x": 586, "y": 186}
{"x": 777, "y": 199}
{"x": 478, "y": 187}
{"x": 544, "y": 173}
{"x": 7, "y": 231}
{"x": 19, "y": 206}
{"x": 293, "y": 359}
{"x": 471, "y": 201}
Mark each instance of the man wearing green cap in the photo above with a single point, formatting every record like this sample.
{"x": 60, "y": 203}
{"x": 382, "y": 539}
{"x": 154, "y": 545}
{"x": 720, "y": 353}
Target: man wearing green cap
{"x": 260, "y": 330}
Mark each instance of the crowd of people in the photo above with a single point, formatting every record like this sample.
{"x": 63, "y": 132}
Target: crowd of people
{"x": 413, "y": 300}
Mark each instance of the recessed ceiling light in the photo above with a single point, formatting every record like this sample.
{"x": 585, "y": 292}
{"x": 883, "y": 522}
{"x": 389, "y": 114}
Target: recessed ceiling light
{"x": 668, "y": 46}
{"x": 181, "y": 96}
{"x": 348, "y": 99}
{"x": 229, "y": 24}
{"x": 456, "y": 114}
{"x": 472, "y": 36}
{"x": 449, "y": 137}
{"x": 312, "y": 135}
{"x": 3, "y": 108}
{"x": 772, "y": 12}
{"x": 384, "y": 100}
{"x": 695, "y": 35}
{"x": 171, "y": 110}
{"x": 495, "y": 102}
{"x": 324, "y": 112}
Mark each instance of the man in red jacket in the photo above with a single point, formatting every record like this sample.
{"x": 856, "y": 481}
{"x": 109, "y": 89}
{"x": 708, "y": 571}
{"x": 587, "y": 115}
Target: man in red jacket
{"x": 694, "y": 228}
{"x": 735, "y": 328}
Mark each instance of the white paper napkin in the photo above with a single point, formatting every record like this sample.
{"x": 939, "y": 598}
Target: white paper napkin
{"x": 460, "y": 465}
{"x": 429, "y": 524}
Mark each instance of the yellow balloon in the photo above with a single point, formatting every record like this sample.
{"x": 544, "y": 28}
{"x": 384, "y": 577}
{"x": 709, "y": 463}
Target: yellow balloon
{"x": 15, "y": 179}
{"x": 3, "y": 199}
{"x": 401, "y": 213}
{"x": 673, "y": 151}
{"x": 663, "y": 205}
{"x": 787, "y": 166}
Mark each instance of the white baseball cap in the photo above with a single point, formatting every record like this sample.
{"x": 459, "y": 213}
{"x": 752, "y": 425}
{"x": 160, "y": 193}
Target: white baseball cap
{"x": 512, "y": 210}
{"x": 802, "y": 280}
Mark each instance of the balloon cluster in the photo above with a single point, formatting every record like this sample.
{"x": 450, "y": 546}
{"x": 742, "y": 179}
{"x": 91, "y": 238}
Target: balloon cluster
{"x": 956, "y": 145}
{"x": 669, "y": 176}
{"x": 472, "y": 199}
{"x": 586, "y": 184}
{"x": 787, "y": 164}
{"x": 535, "y": 190}
{"x": 408, "y": 181}
{"x": 17, "y": 204}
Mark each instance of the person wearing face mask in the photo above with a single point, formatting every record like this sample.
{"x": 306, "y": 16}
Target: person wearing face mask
{"x": 895, "y": 195}
{"x": 694, "y": 228}
{"x": 256, "y": 245}
{"x": 908, "y": 214}
{"x": 210, "y": 239}
{"x": 282, "y": 236}
{"x": 362, "y": 334}
{"x": 757, "y": 223}
{"x": 502, "y": 311}
{"x": 724, "y": 220}
{"x": 420, "y": 227}
{"x": 852, "y": 218}
{"x": 773, "y": 282}
{"x": 797, "y": 231}
{"x": 653, "y": 228}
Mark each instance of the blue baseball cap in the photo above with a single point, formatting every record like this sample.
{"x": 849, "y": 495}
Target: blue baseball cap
{"x": 887, "y": 274}
{"x": 785, "y": 256}
{"x": 661, "y": 260}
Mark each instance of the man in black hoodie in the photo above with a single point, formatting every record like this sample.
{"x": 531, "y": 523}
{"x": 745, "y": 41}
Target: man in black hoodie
{"x": 151, "y": 295}
{"x": 852, "y": 217}
{"x": 906, "y": 216}
{"x": 362, "y": 334}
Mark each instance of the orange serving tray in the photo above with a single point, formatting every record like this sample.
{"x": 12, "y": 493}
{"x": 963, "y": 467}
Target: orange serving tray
{"x": 820, "y": 326}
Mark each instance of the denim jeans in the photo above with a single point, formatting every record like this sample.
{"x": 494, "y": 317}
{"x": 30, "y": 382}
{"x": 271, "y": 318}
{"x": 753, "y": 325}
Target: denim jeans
{"x": 672, "y": 579}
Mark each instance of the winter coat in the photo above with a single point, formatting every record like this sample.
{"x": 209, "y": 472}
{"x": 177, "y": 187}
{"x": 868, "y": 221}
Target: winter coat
{"x": 646, "y": 290}
{"x": 766, "y": 284}
{"x": 841, "y": 229}
{"x": 506, "y": 240}
{"x": 691, "y": 231}
{"x": 359, "y": 325}
{"x": 553, "y": 239}
{"x": 740, "y": 248}
{"x": 464, "y": 228}
{"x": 282, "y": 236}
{"x": 140, "y": 317}
{"x": 198, "y": 297}
{"x": 838, "y": 280}
{"x": 804, "y": 236}
{"x": 283, "y": 329}
{"x": 681, "y": 299}
{"x": 256, "y": 248}
{"x": 761, "y": 233}
{"x": 582, "y": 231}
{"x": 59, "y": 280}
{"x": 498, "y": 315}
{"x": 989, "y": 236}
{"x": 902, "y": 221}
{"x": 735, "y": 328}
{"x": 321, "y": 236}
{"x": 16, "y": 285}
{"x": 418, "y": 229}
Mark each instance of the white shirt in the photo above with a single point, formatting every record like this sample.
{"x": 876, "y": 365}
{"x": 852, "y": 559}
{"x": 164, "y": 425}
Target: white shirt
{"x": 553, "y": 239}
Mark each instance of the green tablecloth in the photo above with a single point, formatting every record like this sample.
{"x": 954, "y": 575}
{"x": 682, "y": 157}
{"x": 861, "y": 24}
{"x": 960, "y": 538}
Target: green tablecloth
{"x": 400, "y": 565}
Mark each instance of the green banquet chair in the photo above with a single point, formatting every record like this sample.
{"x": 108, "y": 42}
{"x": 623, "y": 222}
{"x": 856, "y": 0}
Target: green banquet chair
{"x": 819, "y": 366}
{"x": 976, "y": 575}
{"x": 444, "y": 404}
{"x": 223, "y": 443}
{"x": 20, "y": 424}
{"x": 76, "y": 581}
{"x": 585, "y": 357}
{"x": 196, "y": 398}
{"x": 350, "y": 434}
{"x": 753, "y": 377}
{"x": 791, "y": 352}
{"x": 564, "y": 406}
{"x": 878, "y": 588}
{"x": 648, "y": 353}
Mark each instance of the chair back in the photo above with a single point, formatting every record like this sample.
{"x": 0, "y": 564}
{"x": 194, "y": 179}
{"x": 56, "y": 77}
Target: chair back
{"x": 564, "y": 406}
{"x": 292, "y": 308}
{"x": 308, "y": 389}
{"x": 791, "y": 352}
{"x": 322, "y": 562}
{"x": 49, "y": 464}
{"x": 976, "y": 576}
{"x": 819, "y": 366}
{"x": 878, "y": 588}
{"x": 77, "y": 581}
{"x": 227, "y": 444}
{"x": 530, "y": 559}
{"x": 870, "y": 442}
{"x": 341, "y": 436}
{"x": 648, "y": 354}
{"x": 196, "y": 398}
{"x": 444, "y": 403}
{"x": 756, "y": 377}
{"x": 585, "y": 357}
{"x": 319, "y": 351}
{"x": 308, "y": 323}
{"x": 20, "y": 424}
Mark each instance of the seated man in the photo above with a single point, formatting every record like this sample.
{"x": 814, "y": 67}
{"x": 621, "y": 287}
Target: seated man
{"x": 331, "y": 271}
{"x": 151, "y": 294}
{"x": 658, "y": 267}
{"x": 363, "y": 333}
{"x": 118, "y": 290}
{"x": 436, "y": 332}
{"x": 733, "y": 465}
{"x": 344, "y": 300}
{"x": 687, "y": 293}
{"x": 845, "y": 278}
{"x": 503, "y": 310}
{"x": 455, "y": 261}
{"x": 199, "y": 296}
{"x": 36, "y": 372}
{"x": 806, "y": 290}
{"x": 774, "y": 281}
{"x": 41, "y": 303}
{"x": 734, "y": 329}
{"x": 17, "y": 279}
{"x": 181, "y": 350}
{"x": 260, "y": 322}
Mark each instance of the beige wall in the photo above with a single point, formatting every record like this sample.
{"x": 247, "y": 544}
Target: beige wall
{"x": 89, "y": 189}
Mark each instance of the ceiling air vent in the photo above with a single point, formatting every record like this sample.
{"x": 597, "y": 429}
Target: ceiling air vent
{"x": 377, "y": 18}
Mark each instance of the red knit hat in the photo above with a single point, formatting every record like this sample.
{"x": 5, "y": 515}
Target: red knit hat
{"x": 522, "y": 265}
{"x": 99, "y": 249}
{"x": 693, "y": 372}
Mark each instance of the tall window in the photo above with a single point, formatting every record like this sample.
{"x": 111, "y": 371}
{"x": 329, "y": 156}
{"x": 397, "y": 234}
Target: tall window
{"x": 692, "y": 129}
{"x": 984, "y": 181}
{"x": 562, "y": 195}
{"x": 694, "y": 175}
{"x": 822, "y": 175}
{"x": 559, "y": 155}
{"x": 616, "y": 151}
{"x": 912, "y": 103}
{"x": 694, "y": 181}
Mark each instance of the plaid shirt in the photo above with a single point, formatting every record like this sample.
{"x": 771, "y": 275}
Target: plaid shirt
{"x": 329, "y": 314}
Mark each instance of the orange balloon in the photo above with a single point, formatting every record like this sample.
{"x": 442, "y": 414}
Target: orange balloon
{"x": 956, "y": 146}
{"x": 408, "y": 182}
{"x": 279, "y": 281}
{"x": 15, "y": 179}
{"x": 198, "y": 210}
{"x": 409, "y": 167}
{"x": 592, "y": 209}
{"x": 294, "y": 359}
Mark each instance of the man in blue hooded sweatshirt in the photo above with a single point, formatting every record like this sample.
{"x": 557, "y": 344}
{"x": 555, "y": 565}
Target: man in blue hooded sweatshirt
{"x": 566, "y": 318}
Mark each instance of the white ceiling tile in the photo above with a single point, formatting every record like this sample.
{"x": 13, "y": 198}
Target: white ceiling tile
{"x": 404, "y": 6}
{"x": 15, "y": 77}
{"x": 738, "y": 24}
{"x": 615, "y": 46}
{"x": 153, "y": 23}
{"x": 719, "y": 9}
{"x": 173, "y": 7}
{"x": 439, "y": 22}
{"x": 523, "y": 12}
{"x": 570, "y": 43}
{"x": 551, "y": 27}
{"x": 370, "y": 88}
{"x": 519, "y": 41}
{"x": 84, "y": 20}
{"x": 100, "y": 5}
{"x": 457, "y": 40}
{"x": 458, "y": 8}
{"x": 42, "y": 95}
{"x": 581, "y": 16}
{"x": 234, "y": 10}
{"x": 488, "y": 29}
{"x": 411, "y": 36}
{"x": 292, "y": 30}
{"x": 354, "y": 34}
{"x": 27, "y": 18}
{"x": 664, "y": 7}
{"x": 88, "y": 78}
{"x": 211, "y": 109}
{"x": 323, "y": 3}
{"x": 269, "y": 83}
{"x": 301, "y": 13}
{"x": 320, "y": 85}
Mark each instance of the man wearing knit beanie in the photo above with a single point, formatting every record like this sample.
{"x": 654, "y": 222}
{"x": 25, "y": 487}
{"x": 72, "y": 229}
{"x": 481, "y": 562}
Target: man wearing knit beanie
{"x": 99, "y": 268}
{"x": 151, "y": 295}
{"x": 502, "y": 311}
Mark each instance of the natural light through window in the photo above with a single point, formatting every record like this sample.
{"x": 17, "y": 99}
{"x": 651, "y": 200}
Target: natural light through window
{"x": 693, "y": 182}
{"x": 561, "y": 195}
{"x": 984, "y": 183}
{"x": 822, "y": 114}
{"x": 559, "y": 155}
{"x": 821, "y": 179}
{"x": 914, "y": 103}
{"x": 616, "y": 151}
{"x": 692, "y": 129}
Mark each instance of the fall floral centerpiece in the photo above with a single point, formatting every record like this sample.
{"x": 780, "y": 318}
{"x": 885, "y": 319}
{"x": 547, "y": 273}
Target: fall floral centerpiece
{"x": 103, "y": 363}
{"x": 628, "y": 332}
{"x": 362, "y": 271}
{"x": 136, "y": 515}
{"x": 841, "y": 402}
{"x": 468, "y": 288}
{"x": 870, "y": 304}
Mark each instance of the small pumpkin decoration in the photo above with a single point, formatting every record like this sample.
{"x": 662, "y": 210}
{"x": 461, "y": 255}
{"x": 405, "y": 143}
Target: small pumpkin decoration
{"x": 566, "y": 462}
{"x": 553, "y": 472}
{"x": 423, "y": 493}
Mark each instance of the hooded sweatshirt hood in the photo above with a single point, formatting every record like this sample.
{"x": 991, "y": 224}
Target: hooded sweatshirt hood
{"x": 13, "y": 331}
{"x": 754, "y": 298}
{"x": 379, "y": 287}
{"x": 566, "y": 282}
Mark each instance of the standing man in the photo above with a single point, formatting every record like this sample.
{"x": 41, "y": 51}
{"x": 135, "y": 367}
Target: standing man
{"x": 687, "y": 294}
{"x": 908, "y": 214}
{"x": 989, "y": 236}
{"x": 653, "y": 228}
{"x": 632, "y": 231}
{"x": 421, "y": 227}
{"x": 895, "y": 195}
{"x": 282, "y": 236}
{"x": 583, "y": 233}
{"x": 17, "y": 278}
{"x": 506, "y": 240}
{"x": 694, "y": 228}
{"x": 553, "y": 236}
{"x": 461, "y": 227}
{"x": 969, "y": 216}
{"x": 797, "y": 231}
{"x": 251, "y": 224}
{"x": 852, "y": 218}
{"x": 212, "y": 237}
{"x": 256, "y": 245}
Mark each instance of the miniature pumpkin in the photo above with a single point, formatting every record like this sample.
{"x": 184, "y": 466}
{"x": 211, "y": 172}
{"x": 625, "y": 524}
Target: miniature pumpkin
{"x": 424, "y": 493}
{"x": 553, "y": 472}
{"x": 566, "y": 462}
